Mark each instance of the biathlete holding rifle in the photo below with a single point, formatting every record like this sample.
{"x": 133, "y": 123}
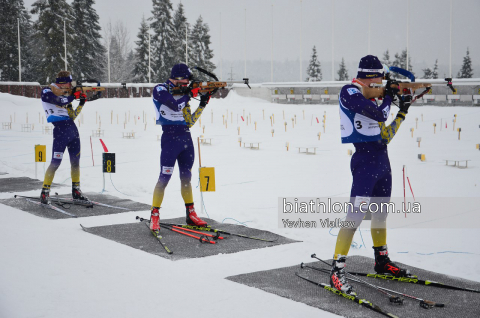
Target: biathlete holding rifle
{"x": 60, "y": 113}
{"x": 174, "y": 114}
{"x": 363, "y": 124}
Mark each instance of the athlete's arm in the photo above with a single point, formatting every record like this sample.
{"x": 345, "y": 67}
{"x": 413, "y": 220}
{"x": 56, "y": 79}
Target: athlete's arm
{"x": 388, "y": 132}
{"x": 352, "y": 99}
{"x": 73, "y": 113}
{"x": 49, "y": 97}
{"x": 189, "y": 118}
{"x": 162, "y": 96}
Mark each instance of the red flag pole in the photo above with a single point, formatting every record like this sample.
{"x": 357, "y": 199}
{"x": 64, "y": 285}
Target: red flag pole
{"x": 404, "y": 204}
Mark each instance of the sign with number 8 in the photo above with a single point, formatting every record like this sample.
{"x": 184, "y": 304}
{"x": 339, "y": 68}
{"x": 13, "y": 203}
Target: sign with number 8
{"x": 108, "y": 162}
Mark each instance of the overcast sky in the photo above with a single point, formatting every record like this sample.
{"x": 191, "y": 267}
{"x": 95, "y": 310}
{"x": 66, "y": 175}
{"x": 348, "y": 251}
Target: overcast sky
{"x": 299, "y": 25}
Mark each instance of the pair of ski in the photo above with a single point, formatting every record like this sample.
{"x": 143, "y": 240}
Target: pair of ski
{"x": 204, "y": 238}
{"x": 427, "y": 304}
{"x": 63, "y": 201}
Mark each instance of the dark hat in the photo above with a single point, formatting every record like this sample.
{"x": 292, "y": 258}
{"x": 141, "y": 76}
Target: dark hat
{"x": 64, "y": 79}
{"x": 370, "y": 67}
{"x": 180, "y": 71}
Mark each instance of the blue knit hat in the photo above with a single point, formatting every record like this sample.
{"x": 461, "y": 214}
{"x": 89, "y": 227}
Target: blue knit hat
{"x": 180, "y": 71}
{"x": 370, "y": 67}
{"x": 64, "y": 80}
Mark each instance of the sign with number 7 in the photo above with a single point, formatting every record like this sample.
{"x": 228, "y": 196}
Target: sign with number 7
{"x": 207, "y": 179}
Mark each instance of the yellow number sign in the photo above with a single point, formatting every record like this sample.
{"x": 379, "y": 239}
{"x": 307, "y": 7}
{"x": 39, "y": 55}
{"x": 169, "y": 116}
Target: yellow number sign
{"x": 325, "y": 91}
{"x": 207, "y": 179}
{"x": 40, "y": 153}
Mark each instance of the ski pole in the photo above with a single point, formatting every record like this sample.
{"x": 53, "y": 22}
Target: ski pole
{"x": 202, "y": 239}
{"x": 209, "y": 229}
{"x": 215, "y": 237}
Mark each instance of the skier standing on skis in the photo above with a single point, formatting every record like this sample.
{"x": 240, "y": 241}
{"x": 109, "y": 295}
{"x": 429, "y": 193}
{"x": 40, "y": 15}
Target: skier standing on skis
{"x": 363, "y": 124}
{"x": 59, "y": 112}
{"x": 174, "y": 114}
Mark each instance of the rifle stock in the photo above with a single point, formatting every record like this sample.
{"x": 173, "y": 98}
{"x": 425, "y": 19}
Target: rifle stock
{"x": 376, "y": 92}
{"x": 66, "y": 92}
{"x": 205, "y": 87}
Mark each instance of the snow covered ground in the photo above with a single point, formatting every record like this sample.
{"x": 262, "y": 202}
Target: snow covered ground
{"x": 51, "y": 268}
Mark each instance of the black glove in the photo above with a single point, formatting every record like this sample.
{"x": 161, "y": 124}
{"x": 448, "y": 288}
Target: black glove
{"x": 204, "y": 99}
{"x": 391, "y": 90}
{"x": 405, "y": 102}
{"x": 83, "y": 99}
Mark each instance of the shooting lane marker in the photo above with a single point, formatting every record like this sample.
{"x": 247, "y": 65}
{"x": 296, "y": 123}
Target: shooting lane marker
{"x": 283, "y": 114}
{"x": 459, "y": 131}
{"x": 273, "y": 116}
{"x": 240, "y": 141}
{"x": 435, "y": 127}
{"x": 411, "y": 130}
{"x": 454, "y": 121}
{"x": 271, "y": 122}
{"x": 319, "y": 134}
{"x": 295, "y": 119}
{"x": 40, "y": 155}
{"x": 286, "y": 126}
{"x": 419, "y": 139}
{"x": 203, "y": 128}
{"x": 255, "y": 126}
{"x": 273, "y": 130}
{"x": 422, "y": 157}
{"x": 238, "y": 128}
{"x": 293, "y": 122}
{"x": 287, "y": 145}
{"x": 223, "y": 119}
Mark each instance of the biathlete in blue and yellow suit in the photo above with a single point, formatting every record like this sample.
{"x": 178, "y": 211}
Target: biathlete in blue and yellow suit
{"x": 363, "y": 124}
{"x": 174, "y": 114}
{"x": 60, "y": 113}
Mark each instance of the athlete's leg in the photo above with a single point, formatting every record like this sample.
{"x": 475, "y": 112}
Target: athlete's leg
{"x": 381, "y": 194}
{"x": 185, "y": 163}
{"x": 60, "y": 141}
{"x": 74, "y": 153}
{"x": 171, "y": 147}
{"x": 364, "y": 180}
